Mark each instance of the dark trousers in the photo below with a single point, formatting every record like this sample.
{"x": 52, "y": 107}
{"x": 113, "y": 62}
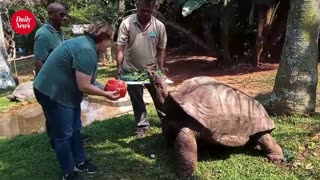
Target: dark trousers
{"x": 49, "y": 133}
{"x": 136, "y": 96}
{"x": 65, "y": 125}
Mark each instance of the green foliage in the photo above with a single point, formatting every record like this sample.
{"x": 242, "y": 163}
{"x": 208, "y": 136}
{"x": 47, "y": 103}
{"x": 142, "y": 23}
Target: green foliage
{"x": 141, "y": 75}
{"x": 9, "y": 9}
{"x": 82, "y": 12}
{"x": 136, "y": 76}
{"x": 192, "y": 5}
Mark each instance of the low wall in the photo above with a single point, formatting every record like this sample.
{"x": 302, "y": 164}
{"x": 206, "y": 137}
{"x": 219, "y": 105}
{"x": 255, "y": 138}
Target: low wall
{"x": 29, "y": 119}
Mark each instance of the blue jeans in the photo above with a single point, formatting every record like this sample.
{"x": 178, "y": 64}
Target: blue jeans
{"x": 65, "y": 125}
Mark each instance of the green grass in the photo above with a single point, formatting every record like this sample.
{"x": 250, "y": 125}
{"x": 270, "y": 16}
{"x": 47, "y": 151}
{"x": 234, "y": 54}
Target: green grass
{"x": 106, "y": 73}
{"x": 6, "y": 103}
{"x": 119, "y": 155}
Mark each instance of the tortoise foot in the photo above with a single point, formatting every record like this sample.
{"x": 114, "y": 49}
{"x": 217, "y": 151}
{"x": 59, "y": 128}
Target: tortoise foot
{"x": 186, "y": 153}
{"x": 270, "y": 147}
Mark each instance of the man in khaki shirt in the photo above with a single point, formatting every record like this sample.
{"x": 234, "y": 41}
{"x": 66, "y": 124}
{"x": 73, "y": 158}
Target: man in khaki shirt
{"x": 142, "y": 40}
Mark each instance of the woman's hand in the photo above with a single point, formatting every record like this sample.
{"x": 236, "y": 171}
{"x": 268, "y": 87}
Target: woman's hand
{"x": 112, "y": 95}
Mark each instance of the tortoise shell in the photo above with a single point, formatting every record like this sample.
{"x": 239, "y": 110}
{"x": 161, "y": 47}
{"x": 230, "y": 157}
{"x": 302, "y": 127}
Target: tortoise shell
{"x": 230, "y": 115}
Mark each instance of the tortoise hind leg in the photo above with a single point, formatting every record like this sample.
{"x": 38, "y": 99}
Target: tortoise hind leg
{"x": 270, "y": 147}
{"x": 186, "y": 152}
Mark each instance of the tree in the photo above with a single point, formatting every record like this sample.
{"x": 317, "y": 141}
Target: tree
{"x": 266, "y": 11}
{"x": 231, "y": 23}
{"x": 297, "y": 77}
{"x": 6, "y": 78}
{"x": 225, "y": 19}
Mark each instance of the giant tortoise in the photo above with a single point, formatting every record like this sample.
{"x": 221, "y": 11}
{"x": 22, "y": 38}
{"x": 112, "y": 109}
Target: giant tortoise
{"x": 206, "y": 110}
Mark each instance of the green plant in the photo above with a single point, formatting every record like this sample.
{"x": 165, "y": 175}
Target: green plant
{"x": 191, "y": 5}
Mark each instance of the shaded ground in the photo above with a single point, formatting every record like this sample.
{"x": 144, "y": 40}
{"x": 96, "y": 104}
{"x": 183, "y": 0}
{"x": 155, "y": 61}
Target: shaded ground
{"x": 244, "y": 77}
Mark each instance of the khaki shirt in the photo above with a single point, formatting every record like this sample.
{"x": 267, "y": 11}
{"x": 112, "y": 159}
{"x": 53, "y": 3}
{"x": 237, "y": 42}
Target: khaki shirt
{"x": 141, "y": 44}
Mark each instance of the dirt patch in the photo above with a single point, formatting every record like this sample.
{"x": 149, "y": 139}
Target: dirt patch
{"x": 252, "y": 80}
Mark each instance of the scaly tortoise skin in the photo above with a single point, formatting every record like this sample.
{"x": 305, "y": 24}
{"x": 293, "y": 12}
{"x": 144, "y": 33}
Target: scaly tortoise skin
{"x": 206, "y": 110}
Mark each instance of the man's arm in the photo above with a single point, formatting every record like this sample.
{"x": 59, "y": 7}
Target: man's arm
{"x": 41, "y": 51}
{"x": 161, "y": 53}
{"x": 161, "y": 47}
{"x": 37, "y": 66}
{"x": 123, "y": 37}
{"x": 120, "y": 57}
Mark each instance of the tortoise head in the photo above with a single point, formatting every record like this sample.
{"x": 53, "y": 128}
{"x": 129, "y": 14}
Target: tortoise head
{"x": 159, "y": 82}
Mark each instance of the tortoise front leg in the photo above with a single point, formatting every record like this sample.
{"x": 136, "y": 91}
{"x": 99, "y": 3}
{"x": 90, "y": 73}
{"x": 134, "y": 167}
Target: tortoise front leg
{"x": 170, "y": 130}
{"x": 270, "y": 147}
{"x": 186, "y": 152}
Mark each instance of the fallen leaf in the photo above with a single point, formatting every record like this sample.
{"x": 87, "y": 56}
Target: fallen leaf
{"x": 297, "y": 164}
{"x": 309, "y": 166}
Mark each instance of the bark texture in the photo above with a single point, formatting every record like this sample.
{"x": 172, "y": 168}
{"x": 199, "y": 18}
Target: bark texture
{"x": 6, "y": 78}
{"x": 264, "y": 22}
{"x": 297, "y": 77}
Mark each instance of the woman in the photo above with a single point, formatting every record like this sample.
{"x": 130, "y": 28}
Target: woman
{"x": 69, "y": 72}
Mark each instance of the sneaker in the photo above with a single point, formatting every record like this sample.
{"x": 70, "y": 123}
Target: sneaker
{"x": 140, "y": 133}
{"x": 72, "y": 176}
{"x": 86, "y": 166}
{"x": 85, "y": 137}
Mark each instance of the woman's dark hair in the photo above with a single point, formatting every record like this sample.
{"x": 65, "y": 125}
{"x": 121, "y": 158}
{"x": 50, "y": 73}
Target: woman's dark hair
{"x": 99, "y": 31}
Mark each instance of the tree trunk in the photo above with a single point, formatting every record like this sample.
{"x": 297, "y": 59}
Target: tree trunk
{"x": 264, "y": 19}
{"x": 207, "y": 27}
{"x": 297, "y": 77}
{"x": 210, "y": 19}
{"x": 187, "y": 33}
{"x": 6, "y": 78}
{"x": 226, "y": 19}
{"x": 275, "y": 39}
{"x": 121, "y": 7}
{"x": 129, "y": 4}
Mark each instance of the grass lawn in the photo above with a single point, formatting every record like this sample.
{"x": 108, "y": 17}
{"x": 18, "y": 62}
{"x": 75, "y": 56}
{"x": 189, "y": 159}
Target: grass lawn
{"x": 119, "y": 155}
{"x": 107, "y": 72}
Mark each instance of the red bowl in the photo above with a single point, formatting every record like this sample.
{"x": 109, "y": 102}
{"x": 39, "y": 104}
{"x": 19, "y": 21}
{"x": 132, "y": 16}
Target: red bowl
{"x": 116, "y": 85}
